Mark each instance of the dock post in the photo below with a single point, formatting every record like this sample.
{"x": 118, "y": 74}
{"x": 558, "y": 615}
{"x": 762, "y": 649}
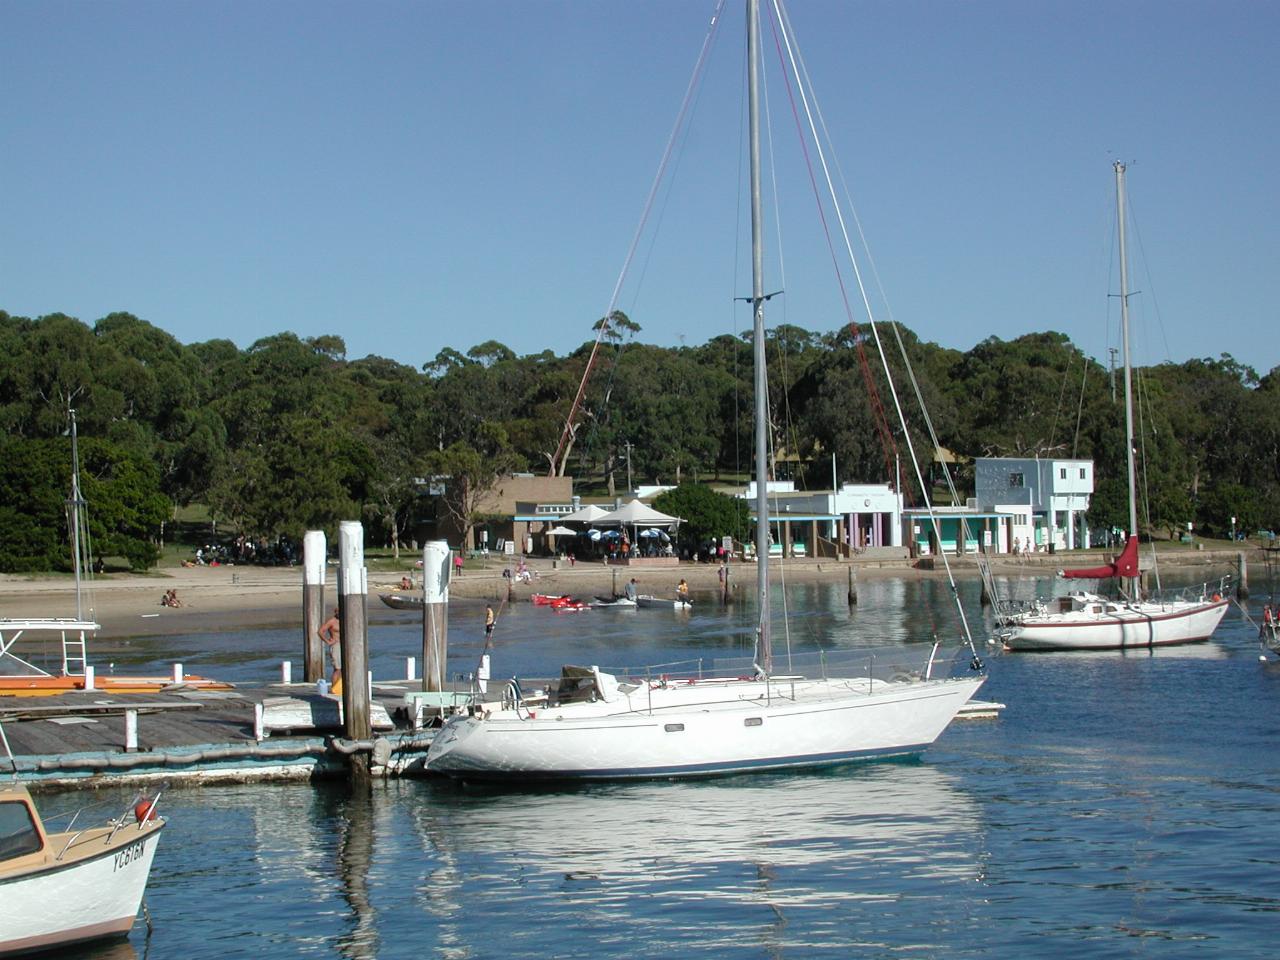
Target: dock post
{"x": 352, "y": 593}
{"x": 724, "y": 582}
{"x": 313, "y": 560}
{"x": 411, "y": 668}
{"x": 435, "y": 614}
{"x": 89, "y": 678}
{"x": 1242, "y": 577}
{"x": 286, "y": 672}
{"x": 853, "y": 589}
{"x": 615, "y": 581}
{"x": 131, "y": 731}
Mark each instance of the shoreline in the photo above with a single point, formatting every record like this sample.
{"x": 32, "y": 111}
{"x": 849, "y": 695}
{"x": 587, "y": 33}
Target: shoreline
{"x": 223, "y": 598}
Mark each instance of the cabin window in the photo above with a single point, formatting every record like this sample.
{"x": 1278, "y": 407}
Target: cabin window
{"x": 673, "y": 727}
{"x": 753, "y": 721}
{"x": 1082, "y": 473}
{"x": 18, "y": 834}
{"x": 1015, "y": 480}
{"x": 1062, "y": 473}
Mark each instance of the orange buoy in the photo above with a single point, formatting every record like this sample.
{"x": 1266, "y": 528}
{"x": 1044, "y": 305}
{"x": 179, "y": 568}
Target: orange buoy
{"x": 142, "y": 810}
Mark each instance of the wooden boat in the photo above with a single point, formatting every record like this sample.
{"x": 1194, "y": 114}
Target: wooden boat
{"x": 401, "y": 601}
{"x": 79, "y": 884}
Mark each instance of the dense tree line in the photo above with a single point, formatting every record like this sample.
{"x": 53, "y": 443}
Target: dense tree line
{"x": 289, "y": 434}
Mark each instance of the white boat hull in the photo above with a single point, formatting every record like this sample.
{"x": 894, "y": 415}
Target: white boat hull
{"x": 1119, "y": 627}
{"x": 83, "y": 897}
{"x": 662, "y": 602}
{"x": 702, "y": 729}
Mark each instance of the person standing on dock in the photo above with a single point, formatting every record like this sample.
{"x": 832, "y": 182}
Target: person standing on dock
{"x": 330, "y": 633}
{"x": 631, "y": 589}
{"x": 489, "y": 621}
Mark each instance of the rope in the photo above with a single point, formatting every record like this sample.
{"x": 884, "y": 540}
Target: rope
{"x": 570, "y": 427}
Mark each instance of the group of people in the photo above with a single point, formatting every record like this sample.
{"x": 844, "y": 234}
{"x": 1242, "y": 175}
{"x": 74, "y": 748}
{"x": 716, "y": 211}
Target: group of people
{"x": 170, "y": 599}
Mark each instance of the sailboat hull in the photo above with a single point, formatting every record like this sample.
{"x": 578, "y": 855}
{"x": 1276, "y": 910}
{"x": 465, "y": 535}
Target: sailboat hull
{"x": 703, "y": 729}
{"x": 1117, "y": 626}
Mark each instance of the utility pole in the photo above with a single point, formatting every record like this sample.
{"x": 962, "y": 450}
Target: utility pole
{"x": 630, "y": 487}
{"x": 1113, "y": 374}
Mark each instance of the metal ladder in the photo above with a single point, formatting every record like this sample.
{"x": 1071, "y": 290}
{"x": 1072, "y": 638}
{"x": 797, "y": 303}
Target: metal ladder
{"x": 73, "y": 654}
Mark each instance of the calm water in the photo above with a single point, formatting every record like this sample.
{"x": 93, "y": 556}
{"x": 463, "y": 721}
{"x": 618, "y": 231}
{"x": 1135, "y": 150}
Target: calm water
{"x": 1123, "y": 806}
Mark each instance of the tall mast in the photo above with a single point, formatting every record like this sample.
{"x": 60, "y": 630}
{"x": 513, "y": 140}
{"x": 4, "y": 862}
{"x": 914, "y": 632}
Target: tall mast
{"x": 1128, "y": 365}
{"x": 76, "y": 503}
{"x": 764, "y": 649}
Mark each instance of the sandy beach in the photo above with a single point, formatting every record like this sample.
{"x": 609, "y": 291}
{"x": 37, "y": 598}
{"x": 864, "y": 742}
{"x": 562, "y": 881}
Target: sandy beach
{"x": 231, "y": 598}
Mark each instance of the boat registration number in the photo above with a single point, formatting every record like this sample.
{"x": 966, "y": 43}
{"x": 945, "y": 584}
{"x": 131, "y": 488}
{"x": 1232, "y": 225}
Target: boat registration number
{"x": 129, "y": 854}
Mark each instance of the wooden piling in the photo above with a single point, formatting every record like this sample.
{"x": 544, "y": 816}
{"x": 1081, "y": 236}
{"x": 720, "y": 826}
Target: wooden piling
{"x": 436, "y": 559}
{"x": 352, "y": 594}
{"x": 313, "y": 560}
{"x": 1242, "y": 577}
{"x": 853, "y": 589}
{"x": 724, "y": 583}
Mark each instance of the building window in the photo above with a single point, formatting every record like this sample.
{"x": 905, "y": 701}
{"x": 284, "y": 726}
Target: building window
{"x": 1082, "y": 473}
{"x": 1062, "y": 473}
{"x": 1015, "y": 480}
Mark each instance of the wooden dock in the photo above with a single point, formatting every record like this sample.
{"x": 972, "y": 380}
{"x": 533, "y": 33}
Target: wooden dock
{"x": 281, "y": 731}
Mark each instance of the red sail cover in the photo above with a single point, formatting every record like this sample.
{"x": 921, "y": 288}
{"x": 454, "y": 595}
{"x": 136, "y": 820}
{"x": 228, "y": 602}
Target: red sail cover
{"x": 1125, "y": 565}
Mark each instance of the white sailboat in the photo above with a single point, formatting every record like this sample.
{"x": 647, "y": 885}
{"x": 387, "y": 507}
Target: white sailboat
{"x": 597, "y": 726}
{"x": 1083, "y": 620}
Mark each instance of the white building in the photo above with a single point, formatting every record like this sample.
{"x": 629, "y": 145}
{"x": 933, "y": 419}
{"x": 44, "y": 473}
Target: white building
{"x": 1047, "y": 498}
{"x": 855, "y": 518}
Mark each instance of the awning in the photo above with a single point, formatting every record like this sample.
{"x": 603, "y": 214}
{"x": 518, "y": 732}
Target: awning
{"x": 636, "y": 513}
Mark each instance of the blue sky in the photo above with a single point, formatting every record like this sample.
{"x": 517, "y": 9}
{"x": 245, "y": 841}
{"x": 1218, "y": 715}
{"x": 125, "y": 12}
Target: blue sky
{"x": 414, "y": 176}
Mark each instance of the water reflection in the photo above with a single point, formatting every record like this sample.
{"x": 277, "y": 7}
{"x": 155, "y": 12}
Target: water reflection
{"x": 774, "y": 854}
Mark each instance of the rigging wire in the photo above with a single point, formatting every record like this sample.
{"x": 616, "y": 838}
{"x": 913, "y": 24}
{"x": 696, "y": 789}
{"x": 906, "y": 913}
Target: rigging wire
{"x": 694, "y": 84}
{"x": 787, "y": 38}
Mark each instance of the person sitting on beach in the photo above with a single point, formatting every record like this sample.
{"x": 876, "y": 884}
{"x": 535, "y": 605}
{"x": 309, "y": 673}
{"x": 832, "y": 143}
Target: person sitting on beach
{"x": 406, "y": 583}
{"x": 170, "y": 599}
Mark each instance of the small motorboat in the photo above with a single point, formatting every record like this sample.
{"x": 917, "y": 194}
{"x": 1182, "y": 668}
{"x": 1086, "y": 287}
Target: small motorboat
{"x": 619, "y": 603}
{"x": 570, "y": 605}
{"x": 83, "y": 883}
{"x": 644, "y": 600}
{"x": 548, "y": 600}
{"x": 401, "y": 601}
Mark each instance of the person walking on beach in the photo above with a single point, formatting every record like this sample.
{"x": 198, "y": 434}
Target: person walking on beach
{"x": 331, "y": 633}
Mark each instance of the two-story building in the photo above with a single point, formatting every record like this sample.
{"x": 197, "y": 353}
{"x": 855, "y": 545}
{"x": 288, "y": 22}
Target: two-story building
{"x": 1047, "y": 500}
